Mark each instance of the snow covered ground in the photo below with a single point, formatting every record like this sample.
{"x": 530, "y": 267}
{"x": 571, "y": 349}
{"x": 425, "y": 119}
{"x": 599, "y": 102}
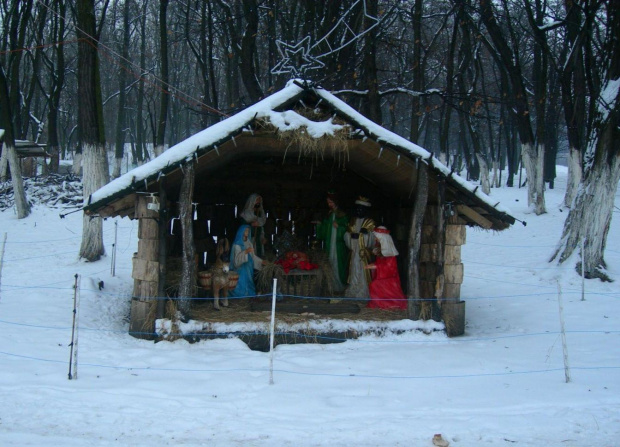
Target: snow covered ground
{"x": 501, "y": 384}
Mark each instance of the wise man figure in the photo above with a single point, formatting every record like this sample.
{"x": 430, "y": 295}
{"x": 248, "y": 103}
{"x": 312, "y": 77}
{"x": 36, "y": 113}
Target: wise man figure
{"x": 385, "y": 289}
{"x": 331, "y": 230}
{"x": 360, "y": 240}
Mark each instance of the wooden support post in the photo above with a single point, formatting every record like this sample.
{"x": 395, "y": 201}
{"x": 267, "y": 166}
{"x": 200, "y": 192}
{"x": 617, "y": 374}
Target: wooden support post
{"x": 145, "y": 269}
{"x": 441, "y": 241}
{"x": 415, "y": 242}
{"x": 162, "y": 239}
{"x": 186, "y": 215}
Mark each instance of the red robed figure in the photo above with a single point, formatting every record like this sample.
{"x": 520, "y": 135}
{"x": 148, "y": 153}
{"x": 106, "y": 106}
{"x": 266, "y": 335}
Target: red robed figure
{"x": 385, "y": 290}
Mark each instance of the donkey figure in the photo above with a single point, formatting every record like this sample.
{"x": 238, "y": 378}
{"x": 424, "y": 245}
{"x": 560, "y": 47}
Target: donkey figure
{"x": 220, "y": 270}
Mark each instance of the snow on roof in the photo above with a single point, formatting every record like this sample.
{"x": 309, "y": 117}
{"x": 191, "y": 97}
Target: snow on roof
{"x": 285, "y": 120}
{"x": 385, "y": 136}
{"x": 185, "y": 149}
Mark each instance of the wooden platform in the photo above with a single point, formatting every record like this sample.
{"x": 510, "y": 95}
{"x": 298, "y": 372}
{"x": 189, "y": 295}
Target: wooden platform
{"x": 290, "y": 312}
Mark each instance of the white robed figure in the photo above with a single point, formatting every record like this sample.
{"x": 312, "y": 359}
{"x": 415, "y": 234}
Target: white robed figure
{"x": 360, "y": 239}
{"x": 254, "y": 215}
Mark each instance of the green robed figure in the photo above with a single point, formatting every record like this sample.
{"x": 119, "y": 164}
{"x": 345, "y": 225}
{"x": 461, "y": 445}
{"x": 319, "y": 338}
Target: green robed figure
{"x": 331, "y": 230}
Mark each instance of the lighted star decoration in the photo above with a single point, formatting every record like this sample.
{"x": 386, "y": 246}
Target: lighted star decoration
{"x": 293, "y": 55}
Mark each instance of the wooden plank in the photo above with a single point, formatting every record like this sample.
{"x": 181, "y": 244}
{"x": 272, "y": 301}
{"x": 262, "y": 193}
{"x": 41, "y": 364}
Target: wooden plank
{"x": 453, "y": 314}
{"x": 142, "y": 209}
{"x": 473, "y": 215}
{"x": 429, "y": 234}
{"x": 453, "y": 272}
{"x": 142, "y": 321}
{"x": 124, "y": 205}
{"x": 145, "y": 270}
{"x": 148, "y": 249}
{"x": 148, "y": 229}
{"x": 452, "y": 253}
{"x": 441, "y": 240}
{"x": 456, "y": 234}
{"x": 452, "y": 291}
{"x": 145, "y": 289}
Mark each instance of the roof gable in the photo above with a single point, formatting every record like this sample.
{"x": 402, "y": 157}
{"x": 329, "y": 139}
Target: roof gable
{"x": 278, "y": 110}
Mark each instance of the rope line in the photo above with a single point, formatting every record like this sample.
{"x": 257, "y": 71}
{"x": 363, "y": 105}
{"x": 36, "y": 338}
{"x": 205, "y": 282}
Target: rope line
{"x": 301, "y": 297}
{"x": 315, "y": 374}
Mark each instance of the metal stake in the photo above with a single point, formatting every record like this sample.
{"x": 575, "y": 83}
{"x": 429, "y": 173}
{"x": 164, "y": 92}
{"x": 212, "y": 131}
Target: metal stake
{"x": 563, "y": 332}
{"x": 272, "y": 329}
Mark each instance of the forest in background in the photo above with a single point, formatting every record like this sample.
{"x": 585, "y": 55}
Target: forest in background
{"x": 485, "y": 85}
{"x": 429, "y": 71}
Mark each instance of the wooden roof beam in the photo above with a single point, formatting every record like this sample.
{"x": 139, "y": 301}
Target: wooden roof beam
{"x": 475, "y": 216}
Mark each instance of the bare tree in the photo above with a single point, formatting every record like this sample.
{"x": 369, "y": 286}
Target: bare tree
{"x": 56, "y": 65}
{"x": 90, "y": 122}
{"x": 589, "y": 220}
{"x": 119, "y": 151}
{"x": 6, "y": 120}
{"x": 164, "y": 98}
{"x": 532, "y": 151}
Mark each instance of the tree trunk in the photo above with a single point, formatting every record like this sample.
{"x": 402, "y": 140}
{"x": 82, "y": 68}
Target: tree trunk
{"x": 141, "y": 151}
{"x": 532, "y": 154}
{"x": 58, "y": 83}
{"x": 373, "y": 101}
{"x": 162, "y": 235}
{"x": 484, "y": 174}
{"x": 589, "y": 219}
{"x": 8, "y": 152}
{"x": 573, "y": 87}
{"x": 122, "y": 81}
{"x": 446, "y": 109}
{"x": 418, "y": 71}
{"x": 188, "y": 275}
{"x": 164, "y": 98}
{"x": 20, "y": 12}
{"x": 76, "y": 168}
{"x": 533, "y": 162}
{"x": 575, "y": 174}
{"x": 90, "y": 122}
{"x": 248, "y": 51}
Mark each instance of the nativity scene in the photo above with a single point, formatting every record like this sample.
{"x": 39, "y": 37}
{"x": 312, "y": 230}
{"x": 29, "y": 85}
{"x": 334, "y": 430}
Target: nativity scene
{"x": 304, "y": 189}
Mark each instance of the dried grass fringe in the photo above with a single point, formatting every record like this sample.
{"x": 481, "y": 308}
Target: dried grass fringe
{"x": 310, "y": 146}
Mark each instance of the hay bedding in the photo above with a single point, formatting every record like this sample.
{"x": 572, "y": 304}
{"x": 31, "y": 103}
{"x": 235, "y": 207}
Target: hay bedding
{"x": 240, "y": 311}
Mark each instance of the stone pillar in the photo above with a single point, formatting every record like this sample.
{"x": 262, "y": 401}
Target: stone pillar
{"x": 145, "y": 271}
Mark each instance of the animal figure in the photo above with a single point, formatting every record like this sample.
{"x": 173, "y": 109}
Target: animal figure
{"x": 219, "y": 281}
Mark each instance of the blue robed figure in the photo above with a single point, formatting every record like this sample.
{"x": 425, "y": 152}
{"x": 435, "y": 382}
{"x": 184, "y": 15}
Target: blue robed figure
{"x": 244, "y": 261}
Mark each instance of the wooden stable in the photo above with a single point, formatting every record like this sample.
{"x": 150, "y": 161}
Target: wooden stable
{"x": 426, "y": 207}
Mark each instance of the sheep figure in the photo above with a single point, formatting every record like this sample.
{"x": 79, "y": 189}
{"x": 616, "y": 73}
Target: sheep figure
{"x": 220, "y": 271}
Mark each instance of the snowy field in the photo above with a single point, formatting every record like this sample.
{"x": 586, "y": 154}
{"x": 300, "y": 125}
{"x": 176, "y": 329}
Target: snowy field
{"x": 501, "y": 384}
